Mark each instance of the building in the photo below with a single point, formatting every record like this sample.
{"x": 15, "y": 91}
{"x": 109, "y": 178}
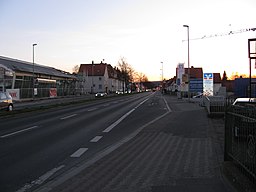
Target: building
{"x": 242, "y": 87}
{"x": 27, "y": 80}
{"x": 101, "y": 77}
{"x": 195, "y": 79}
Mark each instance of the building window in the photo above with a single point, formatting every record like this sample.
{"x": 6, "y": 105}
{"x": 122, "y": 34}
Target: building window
{"x": 100, "y": 78}
{"x": 100, "y": 87}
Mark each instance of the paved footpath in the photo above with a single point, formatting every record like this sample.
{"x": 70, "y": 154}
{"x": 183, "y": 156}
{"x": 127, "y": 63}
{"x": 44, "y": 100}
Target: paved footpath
{"x": 183, "y": 151}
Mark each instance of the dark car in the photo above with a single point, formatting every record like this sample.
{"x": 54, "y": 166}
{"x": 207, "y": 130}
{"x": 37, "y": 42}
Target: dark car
{"x": 6, "y": 101}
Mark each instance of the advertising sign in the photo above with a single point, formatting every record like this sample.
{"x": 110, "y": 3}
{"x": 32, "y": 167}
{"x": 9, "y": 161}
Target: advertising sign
{"x": 15, "y": 93}
{"x": 208, "y": 84}
{"x": 53, "y": 92}
{"x": 196, "y": 85}
{"x": 180, "y": 72}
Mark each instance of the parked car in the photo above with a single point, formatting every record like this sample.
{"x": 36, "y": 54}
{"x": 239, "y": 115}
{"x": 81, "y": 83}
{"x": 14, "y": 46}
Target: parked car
{"x": 245, "y": 121}
{"x": 119, "y": 92}
{"x": 6, "y": 101}
{"x": 100, "y": 94}
{"x": 245, "y": 102}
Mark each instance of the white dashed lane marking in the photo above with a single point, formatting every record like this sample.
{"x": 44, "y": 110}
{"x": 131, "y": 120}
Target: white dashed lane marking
{"x": 79, "y": 152}
{"x": 96, "y": 139}
{"x": 67, "y": 117}
{"x": 92, "y": 109}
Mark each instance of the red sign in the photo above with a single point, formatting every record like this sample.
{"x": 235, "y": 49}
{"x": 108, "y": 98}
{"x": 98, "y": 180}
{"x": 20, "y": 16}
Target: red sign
{"x": 53, "y": 92}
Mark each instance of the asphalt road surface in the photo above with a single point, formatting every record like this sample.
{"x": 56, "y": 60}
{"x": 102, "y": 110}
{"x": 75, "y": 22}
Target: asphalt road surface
{"x": 37, "y": 145}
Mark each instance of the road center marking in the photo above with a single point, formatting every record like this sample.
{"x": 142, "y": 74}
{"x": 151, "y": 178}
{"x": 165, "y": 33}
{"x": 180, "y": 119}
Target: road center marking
{"x": 79, "y": 152}
{"x": 67, "y": 117}
{"x": 96, "y": 139}
{"x": 17, "y": 132}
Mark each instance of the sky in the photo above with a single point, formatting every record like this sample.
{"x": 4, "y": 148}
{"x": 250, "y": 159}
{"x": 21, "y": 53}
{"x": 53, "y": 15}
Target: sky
{"x": 144, "y": 32}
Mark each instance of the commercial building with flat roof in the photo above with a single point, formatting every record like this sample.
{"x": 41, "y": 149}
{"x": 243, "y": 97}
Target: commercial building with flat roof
{"x": 27, "y": 80}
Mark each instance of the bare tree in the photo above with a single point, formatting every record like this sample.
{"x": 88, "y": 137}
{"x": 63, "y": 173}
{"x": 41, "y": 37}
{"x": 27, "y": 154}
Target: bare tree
{"x": 75, "y": 69}
{"x": 141, "y": 77}
{"x": 126, "y": 71}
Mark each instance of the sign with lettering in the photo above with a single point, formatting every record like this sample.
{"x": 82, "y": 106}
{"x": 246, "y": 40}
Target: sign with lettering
{"x": 208, "y": 84}
{"x": 15, "y": 93}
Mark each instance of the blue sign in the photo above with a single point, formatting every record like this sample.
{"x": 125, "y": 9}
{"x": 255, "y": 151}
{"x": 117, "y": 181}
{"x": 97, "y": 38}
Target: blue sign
{"x": 208, "y": 76}
{"x": 196, "y": 85}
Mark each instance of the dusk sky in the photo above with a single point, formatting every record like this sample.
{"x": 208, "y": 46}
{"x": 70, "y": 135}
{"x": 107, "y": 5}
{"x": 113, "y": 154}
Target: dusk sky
{"x": 145, "y": 32}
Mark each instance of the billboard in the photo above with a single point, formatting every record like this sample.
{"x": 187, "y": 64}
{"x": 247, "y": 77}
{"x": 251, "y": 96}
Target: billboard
{"x": 15, "y": 93}
{"x": 208, "y": 84}
{"x": 196, "y": 85}
{"x": 180, "y": 72}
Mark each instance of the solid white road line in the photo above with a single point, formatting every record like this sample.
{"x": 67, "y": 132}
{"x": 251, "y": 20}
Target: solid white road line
{"x": 79, "y": 152}
{"x": 17, "y": 132}
{"x": 96, "y": 139}
{"x": 41, "y": 179}
{"x": 109, "y": 128}
{"x": 67, "y": 117}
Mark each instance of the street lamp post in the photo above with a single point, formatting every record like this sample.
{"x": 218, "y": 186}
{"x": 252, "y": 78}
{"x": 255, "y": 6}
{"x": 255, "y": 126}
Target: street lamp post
{"x": 188, "y": 61}
{"x": 33, "y": 92}
{"x": 92, "y": 87}
{"x": 162, "y": 71}
{"x": 162, "y": 76}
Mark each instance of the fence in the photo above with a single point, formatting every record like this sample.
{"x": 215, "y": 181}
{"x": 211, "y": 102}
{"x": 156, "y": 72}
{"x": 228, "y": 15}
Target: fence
{"x": 26, "y": 93}
{"x": 215, "y": 105}
{"x": 240, "y": 139}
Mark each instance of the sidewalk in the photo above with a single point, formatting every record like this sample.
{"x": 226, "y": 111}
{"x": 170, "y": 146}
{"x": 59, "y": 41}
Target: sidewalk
{"x": 183, "y": 151}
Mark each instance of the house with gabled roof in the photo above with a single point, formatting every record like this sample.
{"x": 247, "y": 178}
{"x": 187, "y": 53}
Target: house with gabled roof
{"x": 99, "y": 77}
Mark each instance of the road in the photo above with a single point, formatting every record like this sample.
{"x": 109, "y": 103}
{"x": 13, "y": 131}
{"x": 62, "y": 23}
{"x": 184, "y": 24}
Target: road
{"x": 38, "y": 145}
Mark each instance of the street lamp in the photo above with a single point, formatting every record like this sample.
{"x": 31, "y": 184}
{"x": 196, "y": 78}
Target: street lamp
{"x": 92, "y": 91}
{"x": 33, "y": 92}
{"x": 162, "y": 76}
{"x": 188, "y": 61}
{"x": 162, "y": 71}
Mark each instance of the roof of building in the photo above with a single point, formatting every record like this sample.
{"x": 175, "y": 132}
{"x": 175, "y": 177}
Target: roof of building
{"x": 216, "y": 78}
{"x": 194, "y": 72}
{"x": 96, "y": 69}
{"x": 197, "y": 73}
{"x": 23, "y": 66}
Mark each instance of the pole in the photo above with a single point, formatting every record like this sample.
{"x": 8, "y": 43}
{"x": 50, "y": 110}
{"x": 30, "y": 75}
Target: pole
{"x": 188, "y": 62}
{"x": 33, "y": 92}
{"x": 162, "y": 77}
{"x": 250, "y": 80}
{"x": 92, "y": 77}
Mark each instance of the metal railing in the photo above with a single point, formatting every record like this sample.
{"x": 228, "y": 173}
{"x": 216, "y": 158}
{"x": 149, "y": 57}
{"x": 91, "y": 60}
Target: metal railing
{"x": 215, "y": 105}
{"x": 240, "y": 139}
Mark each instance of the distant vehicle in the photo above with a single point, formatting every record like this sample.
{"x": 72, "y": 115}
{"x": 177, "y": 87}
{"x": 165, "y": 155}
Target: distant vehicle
{"x": 119, "y": 92}
{"x": 6, "y": 101}
{"x": 100, "y": 94}
{"x": 245, "y": 102}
